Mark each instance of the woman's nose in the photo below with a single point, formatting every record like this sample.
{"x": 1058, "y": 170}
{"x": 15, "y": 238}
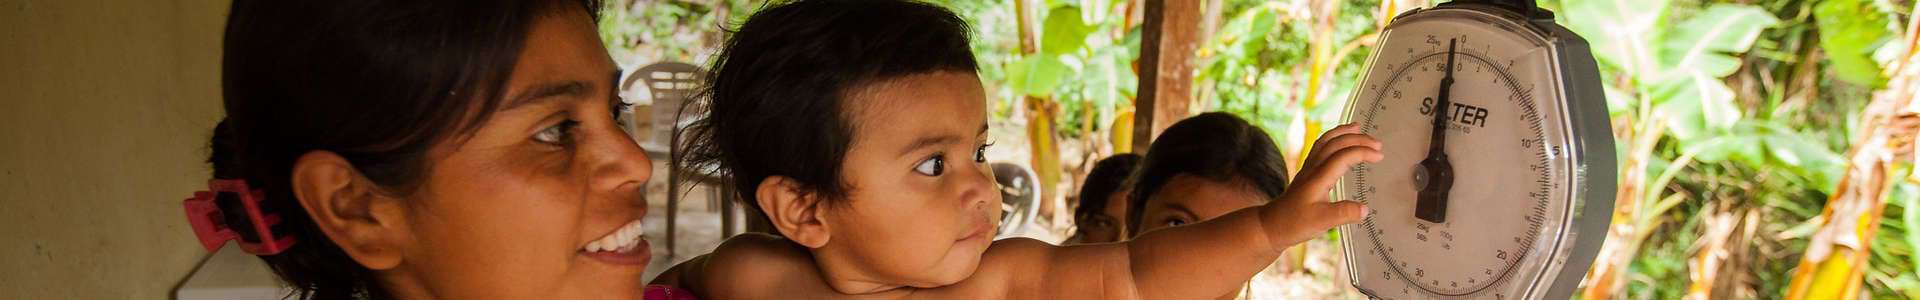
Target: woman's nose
{"x": 620, "y": 167}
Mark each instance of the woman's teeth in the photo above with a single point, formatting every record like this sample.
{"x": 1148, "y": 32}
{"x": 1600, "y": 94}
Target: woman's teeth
{"x": 622, "y": 240}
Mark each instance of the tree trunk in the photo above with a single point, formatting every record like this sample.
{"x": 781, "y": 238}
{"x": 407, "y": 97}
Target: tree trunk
{"x": 1169, "y": 39}
{"x": 1045, "y": 150}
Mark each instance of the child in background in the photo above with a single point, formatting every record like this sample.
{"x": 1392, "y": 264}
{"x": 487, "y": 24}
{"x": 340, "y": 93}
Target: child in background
{"x": 1102, "y": 214}
{"x": 858, "y": 128}
{"x": 1204, "y": 167}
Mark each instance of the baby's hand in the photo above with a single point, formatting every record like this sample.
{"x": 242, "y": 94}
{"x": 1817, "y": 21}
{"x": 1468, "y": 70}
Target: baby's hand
{"x": 1304, "y": 212}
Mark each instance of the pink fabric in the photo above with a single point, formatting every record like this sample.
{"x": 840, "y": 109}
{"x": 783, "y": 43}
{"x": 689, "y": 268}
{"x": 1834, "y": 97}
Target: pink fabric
{"x": 667, "y": 292}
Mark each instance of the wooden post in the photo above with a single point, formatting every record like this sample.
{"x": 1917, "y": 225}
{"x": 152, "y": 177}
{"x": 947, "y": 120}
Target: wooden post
{"x": 1170, "y": 37}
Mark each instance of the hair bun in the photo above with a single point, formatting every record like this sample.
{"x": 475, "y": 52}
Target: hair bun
{"x": 223, "y": 152}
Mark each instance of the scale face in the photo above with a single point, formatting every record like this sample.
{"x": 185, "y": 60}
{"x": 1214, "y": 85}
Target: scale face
{"x": 1512, "y": 198}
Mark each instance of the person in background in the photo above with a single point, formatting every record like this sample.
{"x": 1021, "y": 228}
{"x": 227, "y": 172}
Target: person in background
{"x": 1101, "y": 216}
{"x": 1207, "y": 166}
{"x": 1203, "y": 167}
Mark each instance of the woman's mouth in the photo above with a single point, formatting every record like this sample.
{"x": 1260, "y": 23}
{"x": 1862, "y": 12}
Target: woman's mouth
{"x": 624, "y": 246}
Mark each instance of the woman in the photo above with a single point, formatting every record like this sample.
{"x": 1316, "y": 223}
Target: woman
{"x": 432, "y": 149}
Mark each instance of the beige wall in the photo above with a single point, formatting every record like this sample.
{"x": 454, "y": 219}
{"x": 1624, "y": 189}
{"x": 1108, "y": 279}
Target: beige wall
{"x": 105, "y": 110}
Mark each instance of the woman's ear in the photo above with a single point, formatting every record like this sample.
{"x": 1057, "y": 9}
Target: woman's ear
{"x": 368, "y": 225}
{"x": 794, "y": 211}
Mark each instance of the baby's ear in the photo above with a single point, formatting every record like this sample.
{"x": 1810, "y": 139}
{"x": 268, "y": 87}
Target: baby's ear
{"x": 794, "y": 210}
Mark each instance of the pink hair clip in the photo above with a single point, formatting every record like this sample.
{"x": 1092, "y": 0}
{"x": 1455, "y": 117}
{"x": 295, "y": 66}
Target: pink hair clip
{"x": 209, "y": 220}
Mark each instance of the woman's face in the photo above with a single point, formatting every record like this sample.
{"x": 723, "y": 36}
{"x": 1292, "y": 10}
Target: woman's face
{"x": 922, "y": 207}
{"x": 516, "y": 209}
{"x": 1186, "y": 199}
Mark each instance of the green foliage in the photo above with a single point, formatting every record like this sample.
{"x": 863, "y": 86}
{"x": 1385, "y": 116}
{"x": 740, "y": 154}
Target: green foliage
{"x": 639, "y": 32}
{"x": 1258, "y": 65}
{"x": 1850, "y": 32}
{"x": 1753, "y": 150}
{"x": 1084, "y": 57}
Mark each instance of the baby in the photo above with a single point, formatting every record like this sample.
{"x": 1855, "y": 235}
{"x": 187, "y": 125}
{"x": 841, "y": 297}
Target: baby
{"x": 859, "y": 129}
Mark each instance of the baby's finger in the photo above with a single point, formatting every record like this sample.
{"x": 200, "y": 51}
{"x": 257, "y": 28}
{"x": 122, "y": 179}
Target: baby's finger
{"x": 1319, "y": 149}
{"x": 1336, "y": 132}
{"x": 1320, "y": 179}
{"x": 1355, "y": 139}
{"x": 1340, "y": 213}
{"x": 1314, "y": 219}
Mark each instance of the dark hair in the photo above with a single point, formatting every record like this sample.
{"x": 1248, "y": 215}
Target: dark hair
{"x": 377, "y": 82}
{"x": 1108, "y": 176}
{"x": 1216, "y": 146}
{"x": 776, "y": 101}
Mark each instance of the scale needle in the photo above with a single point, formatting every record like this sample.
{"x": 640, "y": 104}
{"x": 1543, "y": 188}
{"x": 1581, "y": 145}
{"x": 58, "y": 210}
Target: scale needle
{"x": 1439, "y": 170}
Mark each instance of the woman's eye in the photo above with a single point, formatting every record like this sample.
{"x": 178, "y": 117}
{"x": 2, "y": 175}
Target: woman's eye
{"x": 556, "y": 134}
{"x": 620, "y": 108}
{"x": 1176, "y": 222}
{"x": 933, "y": 166}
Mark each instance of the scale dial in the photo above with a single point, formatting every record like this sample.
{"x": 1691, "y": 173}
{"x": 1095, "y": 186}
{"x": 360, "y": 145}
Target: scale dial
{"x": 1519, "y": 138}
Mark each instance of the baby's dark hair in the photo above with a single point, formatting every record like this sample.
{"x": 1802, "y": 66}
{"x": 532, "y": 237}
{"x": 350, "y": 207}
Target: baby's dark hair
{"x": 1108, "y": 177}
{"x": 776, "y": 102}
{"x": 377, "y": 82}
{"x": 1216, "y": 146}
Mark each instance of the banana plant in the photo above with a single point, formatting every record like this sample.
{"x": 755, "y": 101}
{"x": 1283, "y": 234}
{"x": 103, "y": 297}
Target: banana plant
{"x": 1837, "y": 258}
{"x": 1663, "y": 79}
{"x": 1287, "y": 66}
{"x": 1069, "y": 69}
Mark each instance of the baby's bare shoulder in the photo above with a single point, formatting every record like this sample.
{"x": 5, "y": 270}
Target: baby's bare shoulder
{"x": 1018, "y": 249}
{"x": 1025, "y": 254}
{"x": 1013, "y": 266}
{"x": 761, "y": 248}
{"x": 749, "y": 264}
{"x": 1035, "y": 269}
{"x": 1015, "y": 256}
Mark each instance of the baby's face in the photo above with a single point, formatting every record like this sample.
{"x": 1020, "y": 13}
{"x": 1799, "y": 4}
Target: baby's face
{"x": 922, "y": 207}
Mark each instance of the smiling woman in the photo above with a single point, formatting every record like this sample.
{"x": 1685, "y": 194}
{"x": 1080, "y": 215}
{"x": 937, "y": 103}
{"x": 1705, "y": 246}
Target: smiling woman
{"x": 434, "y": 149}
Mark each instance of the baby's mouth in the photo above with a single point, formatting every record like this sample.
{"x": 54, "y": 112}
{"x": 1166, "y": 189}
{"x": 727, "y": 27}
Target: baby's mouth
{"x": 978, "y": 230}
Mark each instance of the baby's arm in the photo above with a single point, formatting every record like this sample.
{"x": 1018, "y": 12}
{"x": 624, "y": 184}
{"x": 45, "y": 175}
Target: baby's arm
{"x": 1203, "y": 259}
{"x": 1212, "y": 257}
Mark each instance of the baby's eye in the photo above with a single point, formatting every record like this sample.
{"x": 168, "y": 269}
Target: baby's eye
{"x": 980, "y": 155}
{"x": 557, "y": 134}
{"x": 933, "y": 166}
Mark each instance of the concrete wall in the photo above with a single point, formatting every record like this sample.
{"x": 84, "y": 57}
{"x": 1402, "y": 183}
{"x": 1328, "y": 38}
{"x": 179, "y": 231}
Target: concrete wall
{"x": 105, "y": 111}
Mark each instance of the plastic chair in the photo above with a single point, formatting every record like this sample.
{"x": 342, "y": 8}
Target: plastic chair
{"x": 1019, "y": 197}
{"x": 673, "y": 85}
